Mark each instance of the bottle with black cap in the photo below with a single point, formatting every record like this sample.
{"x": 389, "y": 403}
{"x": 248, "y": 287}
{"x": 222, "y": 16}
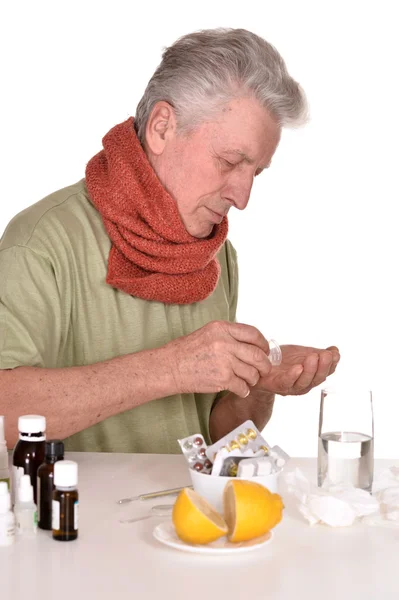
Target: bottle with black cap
{"x": 28, "y": 453}
{"x": 54, "y": 451}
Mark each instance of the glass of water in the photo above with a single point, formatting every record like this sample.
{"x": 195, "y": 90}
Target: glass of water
{"x": 346, "y": 437}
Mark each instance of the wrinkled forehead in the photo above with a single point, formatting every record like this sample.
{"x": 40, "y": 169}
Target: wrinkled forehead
{"x": 246, "y": 130}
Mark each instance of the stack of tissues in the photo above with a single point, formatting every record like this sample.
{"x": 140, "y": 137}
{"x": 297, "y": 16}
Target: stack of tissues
{"x": 342, "y": 505}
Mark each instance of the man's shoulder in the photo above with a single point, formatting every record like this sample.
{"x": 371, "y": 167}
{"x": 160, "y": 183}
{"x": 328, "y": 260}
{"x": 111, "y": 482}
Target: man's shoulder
{"x": 227, "y": 258}
{"x": 62, "y": 209}
{"x": 227, "y": 255}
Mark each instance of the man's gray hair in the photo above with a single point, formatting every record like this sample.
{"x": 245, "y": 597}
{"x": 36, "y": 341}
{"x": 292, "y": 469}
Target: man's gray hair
{"x": 204, "y": 70}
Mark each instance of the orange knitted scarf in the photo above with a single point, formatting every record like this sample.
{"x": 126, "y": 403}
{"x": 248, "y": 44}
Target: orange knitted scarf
{"x": 152, "y": 255}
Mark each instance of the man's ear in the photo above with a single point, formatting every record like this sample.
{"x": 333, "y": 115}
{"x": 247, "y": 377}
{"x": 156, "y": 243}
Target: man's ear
{"x": 161, "y": 127}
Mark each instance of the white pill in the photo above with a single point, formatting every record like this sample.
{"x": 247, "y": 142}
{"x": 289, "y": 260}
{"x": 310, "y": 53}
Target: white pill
{"x": 265, "y": 467}
{"x": 246, "y": 468}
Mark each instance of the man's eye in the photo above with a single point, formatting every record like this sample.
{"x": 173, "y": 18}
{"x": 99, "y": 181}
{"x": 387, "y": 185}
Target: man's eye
{"x": 228, "y": 164}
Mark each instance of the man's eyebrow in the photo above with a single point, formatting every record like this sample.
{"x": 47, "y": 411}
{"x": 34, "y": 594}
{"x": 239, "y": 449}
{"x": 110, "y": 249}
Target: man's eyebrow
{"x": 240, "y": 153}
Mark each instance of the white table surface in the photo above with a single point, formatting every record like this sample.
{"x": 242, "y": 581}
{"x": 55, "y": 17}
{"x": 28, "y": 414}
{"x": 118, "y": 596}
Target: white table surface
{"x": 115, "y": 561}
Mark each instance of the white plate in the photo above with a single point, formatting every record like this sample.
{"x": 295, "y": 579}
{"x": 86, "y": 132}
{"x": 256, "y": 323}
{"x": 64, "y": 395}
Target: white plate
{"x": 165, "y": 533}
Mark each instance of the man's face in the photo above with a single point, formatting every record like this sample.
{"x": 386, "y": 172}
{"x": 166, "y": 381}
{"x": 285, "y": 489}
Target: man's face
{"x": 213, "y": 168}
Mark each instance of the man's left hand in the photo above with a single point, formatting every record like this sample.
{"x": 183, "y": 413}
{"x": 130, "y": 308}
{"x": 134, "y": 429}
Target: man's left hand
{"x": 302, "y": 368}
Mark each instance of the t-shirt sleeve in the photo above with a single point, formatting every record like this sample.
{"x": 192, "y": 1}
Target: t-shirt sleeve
{"x": 30, "y": 310}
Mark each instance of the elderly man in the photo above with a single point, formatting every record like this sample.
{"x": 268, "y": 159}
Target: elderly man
{"x": 118, "y": 294}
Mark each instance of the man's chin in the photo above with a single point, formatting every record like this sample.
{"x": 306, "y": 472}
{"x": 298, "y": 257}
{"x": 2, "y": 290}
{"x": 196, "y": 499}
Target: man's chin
{"x": 205, "y": 232}
{"x": 201, "y": 231}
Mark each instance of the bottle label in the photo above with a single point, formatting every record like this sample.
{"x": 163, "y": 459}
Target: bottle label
{"x": 25, "y": 519}
{"x": 17, "y": 473}
{"x": 7, "y": 531}
{"x": 38, "y": 497}
{"x": 55, "y": 515}
{"x": 75, "y": 516}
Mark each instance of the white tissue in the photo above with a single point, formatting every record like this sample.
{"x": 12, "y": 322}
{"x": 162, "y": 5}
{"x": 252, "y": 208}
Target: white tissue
{"x": 334, "y": 505}
{"x": 386, "y": 491}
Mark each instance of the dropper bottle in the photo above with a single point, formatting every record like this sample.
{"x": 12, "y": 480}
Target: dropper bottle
{"x": 4, "y": 470}
{"x": 7, "y": 518}
{"x": 25, "y": 508}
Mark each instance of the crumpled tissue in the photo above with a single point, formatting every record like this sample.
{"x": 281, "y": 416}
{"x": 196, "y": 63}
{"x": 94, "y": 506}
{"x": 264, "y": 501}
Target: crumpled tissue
{"x": 386, "y": 491}
{"x": 342, "y": 505}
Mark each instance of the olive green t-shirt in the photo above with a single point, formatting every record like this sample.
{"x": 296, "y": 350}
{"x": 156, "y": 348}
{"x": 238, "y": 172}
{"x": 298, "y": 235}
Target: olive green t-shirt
{"x": 56, "y": 310}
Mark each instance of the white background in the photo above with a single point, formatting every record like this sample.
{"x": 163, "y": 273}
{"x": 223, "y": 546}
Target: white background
{"x": 317, "y": 245}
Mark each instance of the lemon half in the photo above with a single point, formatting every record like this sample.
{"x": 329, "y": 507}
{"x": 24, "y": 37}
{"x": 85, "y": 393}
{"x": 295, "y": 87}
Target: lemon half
{"x": 195, "y": 520}
{"x": 250, "y": 510}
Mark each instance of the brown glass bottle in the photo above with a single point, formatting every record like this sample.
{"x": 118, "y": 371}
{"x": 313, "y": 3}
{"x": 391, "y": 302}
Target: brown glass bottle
{"x": 28, "y": 453}
{"x": 65, "y": 501}
{"x": 54, "y": 451}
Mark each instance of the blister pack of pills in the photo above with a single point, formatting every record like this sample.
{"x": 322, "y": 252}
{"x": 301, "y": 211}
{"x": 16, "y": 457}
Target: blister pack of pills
{"x": 194, "y": 451}
{"x": 226, "y": 456}
{"x": 257, "y": 467}
{"x": 245, "y": 437}
{"x": 225, "y": 460}
{"x": 279, "y": 457}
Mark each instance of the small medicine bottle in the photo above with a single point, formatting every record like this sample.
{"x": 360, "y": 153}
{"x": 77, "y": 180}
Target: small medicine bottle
{"x": 28, "y": 453}
{"x": 7, "y": 518}
{"x": 25, "y": 509}
{"x": 54, "y": 451}
{"x": 65, "y": 501}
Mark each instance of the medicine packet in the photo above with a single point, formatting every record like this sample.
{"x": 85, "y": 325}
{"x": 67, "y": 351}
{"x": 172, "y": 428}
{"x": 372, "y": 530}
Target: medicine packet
{"x": 257, "y": 467}
{"x": 279, "y": 457}
{"x": 225, "y": 460}
{"x": 194, "y": 451}
{"x": 245, "y": 437}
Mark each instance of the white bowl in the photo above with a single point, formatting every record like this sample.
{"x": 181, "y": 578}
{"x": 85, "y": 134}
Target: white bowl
{"x": 211, "y": 487}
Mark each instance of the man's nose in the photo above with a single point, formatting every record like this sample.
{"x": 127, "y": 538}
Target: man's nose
{"x": 239, "y": 192}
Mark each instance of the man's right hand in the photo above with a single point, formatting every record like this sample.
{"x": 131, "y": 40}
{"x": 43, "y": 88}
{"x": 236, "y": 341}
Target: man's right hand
{"x": 219, "y": 356}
